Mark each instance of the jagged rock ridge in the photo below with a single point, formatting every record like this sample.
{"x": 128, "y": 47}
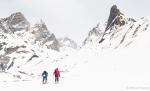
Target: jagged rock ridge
{"x": 114, "y": 17}
{"x": 43, "y": 35}
{"x": 16, "y": 22}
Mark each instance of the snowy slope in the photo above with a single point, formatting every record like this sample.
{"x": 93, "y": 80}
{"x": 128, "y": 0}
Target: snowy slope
{"x": 126, "y": 69}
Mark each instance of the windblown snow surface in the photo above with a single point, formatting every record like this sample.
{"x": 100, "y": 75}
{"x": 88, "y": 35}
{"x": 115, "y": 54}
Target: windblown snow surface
{"x": 94, "y": 67}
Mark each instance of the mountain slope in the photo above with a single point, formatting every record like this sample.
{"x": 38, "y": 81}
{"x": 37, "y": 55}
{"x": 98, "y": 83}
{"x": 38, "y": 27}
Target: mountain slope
{"x": 23, "y": 46}
{"x": 118, "y": 35}
{"x": 126, "y": 69}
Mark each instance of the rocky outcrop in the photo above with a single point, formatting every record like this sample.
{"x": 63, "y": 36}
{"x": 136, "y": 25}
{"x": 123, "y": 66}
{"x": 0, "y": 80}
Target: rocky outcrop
{"x": 3, "y": 62}
{"x": 2, "y": 44}
{"x": 52, "y": 43}
{"x": 40, "y": 31}
{"x": 114, "y": 18}
{"x": 33, "y": 56}
{"x": 16, "y": 22}
{"x": 12, "y": 49}
{"x": 43, "y": 35}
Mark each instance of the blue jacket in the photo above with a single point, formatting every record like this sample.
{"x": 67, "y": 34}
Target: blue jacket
{"x": 45, "y": 74}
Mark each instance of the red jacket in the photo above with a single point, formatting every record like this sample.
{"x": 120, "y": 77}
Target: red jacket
{"x": 57, "y": 73}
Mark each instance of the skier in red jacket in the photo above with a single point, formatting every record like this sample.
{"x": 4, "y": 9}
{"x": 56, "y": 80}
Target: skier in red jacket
{"x": 57, "y": 75}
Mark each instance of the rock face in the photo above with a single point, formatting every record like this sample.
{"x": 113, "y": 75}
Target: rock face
{"x": 3, "y": 62}
{"x": 40, "y": 31}
{"x": 16, "y": 22}
{"x": 114, "y": 17}
{"x": 43, "y": 35}
{"x": 52, "y": 42}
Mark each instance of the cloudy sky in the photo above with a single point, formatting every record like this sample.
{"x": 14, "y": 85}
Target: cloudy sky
{"x": 72, "y": 18}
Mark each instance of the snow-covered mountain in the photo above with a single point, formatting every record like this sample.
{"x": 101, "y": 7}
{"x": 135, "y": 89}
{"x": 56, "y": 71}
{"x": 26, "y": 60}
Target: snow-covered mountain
{"x": 120, "y": 31}
{"x": 22, "y": 44}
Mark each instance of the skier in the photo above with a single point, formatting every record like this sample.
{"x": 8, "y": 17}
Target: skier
{"x": 45, "y": 75}
{"x": 57, "y": 75}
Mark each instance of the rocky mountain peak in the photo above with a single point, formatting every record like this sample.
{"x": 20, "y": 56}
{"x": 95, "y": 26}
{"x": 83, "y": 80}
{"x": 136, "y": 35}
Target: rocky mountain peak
{"x": 120, "y": 30}
{"x": 40, "y": 31}
{"x": 114, "y": 17}
{"x": 41, "y": 26}
{"x": 16, "y": 18}
{"x": 15, "y": 22}
{"x": 44, "y": 36}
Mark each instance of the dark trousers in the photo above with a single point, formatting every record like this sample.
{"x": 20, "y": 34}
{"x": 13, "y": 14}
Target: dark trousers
{"x": 44, "y": 80}
{"x": 56, "y": 79}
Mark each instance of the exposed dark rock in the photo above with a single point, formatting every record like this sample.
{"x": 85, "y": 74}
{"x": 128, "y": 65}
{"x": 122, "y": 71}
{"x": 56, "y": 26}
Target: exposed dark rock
{"x": 2, "y": 44}
{"x": 40, "y": 26}
{"x": 34, "y": 56}
{"x": 11, "y": 65}
{"x": 136, "y": 30}
{"x": 12, "y": 49}
{"x": 16, "y": 22}
{"x": 23, "y": 51}
{"x": 43, "y": 35}
{"x": 2, "y": 67}
{"x": 16, "y": 18}
{"x": 3, "y": 28}
{"x": 40, "y": 31}
{"x": 3, "y": 62}
{"x": 114, "y": 17}
{"x": 101, "y": 40}
{"x": 54, "y": 43}
{"x": 131, "y": 19}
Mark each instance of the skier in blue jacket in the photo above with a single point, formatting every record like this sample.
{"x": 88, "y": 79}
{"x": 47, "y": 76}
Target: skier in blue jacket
{"x": 45, "y": 75}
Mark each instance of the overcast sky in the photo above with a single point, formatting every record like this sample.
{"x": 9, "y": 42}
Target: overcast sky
{"x": 72, "y": 18}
